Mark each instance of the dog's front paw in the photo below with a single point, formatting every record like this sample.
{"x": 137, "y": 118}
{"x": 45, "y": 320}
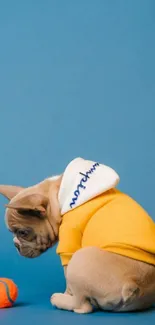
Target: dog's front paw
{"x": 63, "y": 301}
{"x": 56, "y": 299}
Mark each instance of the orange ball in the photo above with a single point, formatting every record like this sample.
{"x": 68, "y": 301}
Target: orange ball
{"x": 8, "y": 292}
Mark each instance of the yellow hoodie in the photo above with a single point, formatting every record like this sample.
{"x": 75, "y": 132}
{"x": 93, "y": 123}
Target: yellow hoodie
{"x": 111, "y": 221}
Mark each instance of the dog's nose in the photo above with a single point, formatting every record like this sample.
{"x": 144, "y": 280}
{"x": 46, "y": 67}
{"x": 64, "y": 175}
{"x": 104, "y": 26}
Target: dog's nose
{"x": 16, "y": 243}
{"x": 17, "y": 246}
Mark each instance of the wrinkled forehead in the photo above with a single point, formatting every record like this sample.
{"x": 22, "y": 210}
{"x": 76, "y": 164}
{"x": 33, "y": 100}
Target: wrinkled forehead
{"x": 13, "y": 219}
{"x": 12, "y": 215}
{"x": 8, "y": 218}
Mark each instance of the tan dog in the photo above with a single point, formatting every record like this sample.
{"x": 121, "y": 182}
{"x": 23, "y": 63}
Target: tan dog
{"x": 95, "y": 278}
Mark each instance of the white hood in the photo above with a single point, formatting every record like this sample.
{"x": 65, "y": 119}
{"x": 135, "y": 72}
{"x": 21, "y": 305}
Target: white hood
{"x": 84, "y": 180}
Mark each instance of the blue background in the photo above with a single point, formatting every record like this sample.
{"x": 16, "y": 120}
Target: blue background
{"x": 77, "y": 78}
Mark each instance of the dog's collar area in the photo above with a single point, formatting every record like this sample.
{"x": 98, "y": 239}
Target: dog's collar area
{"x": 53, "y": 236}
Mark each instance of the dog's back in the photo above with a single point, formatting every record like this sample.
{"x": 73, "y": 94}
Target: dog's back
{"x": 121, "y": 226}
{"x": 112, "y": 221}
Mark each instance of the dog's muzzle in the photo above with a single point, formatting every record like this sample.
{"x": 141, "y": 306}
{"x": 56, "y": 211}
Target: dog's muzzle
{"x": 31, "y": 249}
{"x": 16, "y": 243}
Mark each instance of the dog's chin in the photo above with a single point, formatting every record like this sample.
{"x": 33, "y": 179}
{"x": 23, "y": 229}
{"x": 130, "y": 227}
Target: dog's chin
{"x": 31, "y": 249}
{"x": 30, "y": 252}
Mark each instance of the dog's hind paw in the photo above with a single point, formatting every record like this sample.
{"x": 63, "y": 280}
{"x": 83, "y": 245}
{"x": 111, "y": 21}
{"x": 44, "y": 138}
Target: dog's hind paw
{"x": 86, "y": 308}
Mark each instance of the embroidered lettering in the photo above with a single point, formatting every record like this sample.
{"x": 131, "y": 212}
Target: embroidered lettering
{"x": 84, "y": 179}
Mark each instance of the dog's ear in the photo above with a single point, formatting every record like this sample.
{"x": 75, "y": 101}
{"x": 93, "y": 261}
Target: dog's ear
{"x": 53, "y": 205}
{"x": 10, "y": 191}
{"x": 34, "y": 203}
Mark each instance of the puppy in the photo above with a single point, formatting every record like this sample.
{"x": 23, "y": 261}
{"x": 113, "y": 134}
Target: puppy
{"x": 106, "y": 241}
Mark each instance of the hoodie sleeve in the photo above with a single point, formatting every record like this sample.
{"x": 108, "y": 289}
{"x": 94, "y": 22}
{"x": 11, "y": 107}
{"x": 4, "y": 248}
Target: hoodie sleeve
{"x": 69, "y": 242}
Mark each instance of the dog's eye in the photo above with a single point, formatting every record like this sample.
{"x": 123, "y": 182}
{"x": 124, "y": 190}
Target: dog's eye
{"x": 22, "y": 232}
{"x": 33, "y": 213}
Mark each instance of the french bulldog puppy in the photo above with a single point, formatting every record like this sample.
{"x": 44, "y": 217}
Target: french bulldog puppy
{"x": 106, "y": 241}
